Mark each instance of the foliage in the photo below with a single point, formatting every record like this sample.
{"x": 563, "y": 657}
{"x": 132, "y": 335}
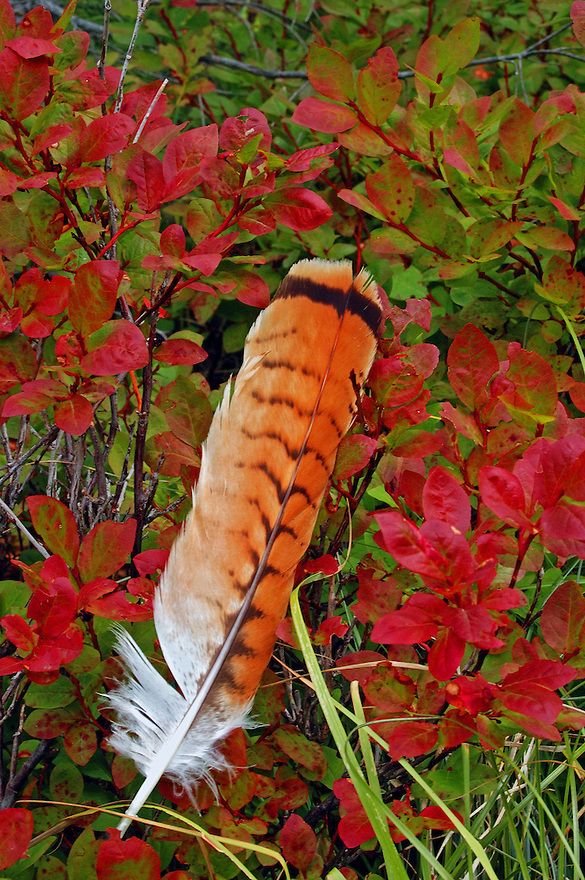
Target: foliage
{"x": 142, "y": 226}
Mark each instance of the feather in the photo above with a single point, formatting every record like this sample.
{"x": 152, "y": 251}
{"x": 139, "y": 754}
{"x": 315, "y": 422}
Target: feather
{"x": 265, "y": 468}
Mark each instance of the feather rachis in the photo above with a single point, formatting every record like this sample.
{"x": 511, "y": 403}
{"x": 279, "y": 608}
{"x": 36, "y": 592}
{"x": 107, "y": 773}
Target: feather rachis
{"x": 266, "y": 464}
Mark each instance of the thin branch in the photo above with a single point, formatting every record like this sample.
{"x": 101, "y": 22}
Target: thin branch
{"x": 151, "y": 107}
{"x": 45, "y": 441}
{"x": 142, "y": 6}
{"x": 105, "y": 38}
{"x": 221, "y": 61}
{"x": 22, "y": 528}
{"x": 19, "y": 780}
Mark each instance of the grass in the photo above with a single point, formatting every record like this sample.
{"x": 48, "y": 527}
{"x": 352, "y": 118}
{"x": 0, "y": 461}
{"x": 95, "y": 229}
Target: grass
{"x": 523, "y": 824}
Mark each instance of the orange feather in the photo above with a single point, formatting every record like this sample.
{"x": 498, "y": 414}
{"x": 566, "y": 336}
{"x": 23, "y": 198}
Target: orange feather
{"x": 266, "y": 465}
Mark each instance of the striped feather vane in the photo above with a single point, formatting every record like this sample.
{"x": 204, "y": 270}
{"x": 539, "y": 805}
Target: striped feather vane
{"x": 266, "y": 465}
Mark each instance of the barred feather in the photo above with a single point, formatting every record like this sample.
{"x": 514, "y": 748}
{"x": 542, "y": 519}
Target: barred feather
{"x": 266, "y": 464}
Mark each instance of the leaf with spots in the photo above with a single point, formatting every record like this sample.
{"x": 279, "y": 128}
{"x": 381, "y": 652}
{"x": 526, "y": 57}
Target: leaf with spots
{"x": 392, "y": 190}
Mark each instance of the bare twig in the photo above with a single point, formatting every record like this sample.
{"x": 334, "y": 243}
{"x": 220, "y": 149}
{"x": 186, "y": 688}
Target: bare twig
{"x": 105, "y": 38}
{"x": 151, "y": 107}
{"x": 142, "y": 6}
{"x": 140, "y": 498}
{"x": 221, "y": 61}
{"x": 17, "y": 782}
{"x": 22, "y": 528}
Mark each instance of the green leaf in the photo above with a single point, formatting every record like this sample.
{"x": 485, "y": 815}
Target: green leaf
{"x": 51, "y": 696}
{"x": 330, "y": 73}
{"x": 81, "y": 862}
{"x": 461, "y": 45}
{"x": 66, "y": 782}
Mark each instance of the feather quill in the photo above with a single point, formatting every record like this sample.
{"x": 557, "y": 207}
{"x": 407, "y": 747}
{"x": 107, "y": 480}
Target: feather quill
{"x": 266, "y": 464}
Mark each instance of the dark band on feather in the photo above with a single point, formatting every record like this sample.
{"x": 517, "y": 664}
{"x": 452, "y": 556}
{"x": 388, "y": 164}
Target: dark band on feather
{"x": 355, "y": 302}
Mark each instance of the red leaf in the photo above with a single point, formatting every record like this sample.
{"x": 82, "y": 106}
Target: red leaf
{"x": 117, "y": 347}
{"x": 354, "y": 827}
{"x": 16, "y": 829}
{"x": 375, "y": 597}
{"x": 54, "y": 606}
{"x": 445, "y": 499}
{"x": 299, "y": 209}
{"x": 455, "y": 727}
{"x": 252, "y": 290}
{"x": 34, "y": 397}
{"x": 503, "y": 493}
{"x": 567, "y": 212}
{"x": 10, "y": 319}
{"x": 551, "y": 674}
{"x": 207, "y": 263}
{"x": 50, "y": 137}
{"x": 85, "y": 177}
{"x": 182, "y": 159}
{"x": 24, "y": 84}
{"x": 93, "y": 297}
{"x": 562, "y": 619}
{"x": 55, "y": 525}
{"x": 407, "y": 739}
{"x": 302, "y": 160}
{"x": 416, "y": 621}
{"x": 359, "y": 665}
{"x": 558, "y": 470}
{"x": 74, "y": 415}
{"x": 19, "y": 632}
{"x": 179, "y": 351}
{"x": 106, "y": 549}
{"x": 472, "y": 694}
{"x": 446, "y": 654}
{"x": 103, "y": 598}
{"x": 563, "y": 530}
{"x": 298, "y": 842}
{"x": 326, "y": 565}
{"x": 146, "y": 171}
{"x": 32, "y": 47}
{"x": 323, "y": 116}
{"x": 150, "y": 561}
{"x": 104, "y": 136}
{"x": 472, "y": 361}
{"x": 407, "y": 545}
{"x": 332, "y": 626}
{"x": 131, "y": 859}
{"x": 172, "y": 241}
